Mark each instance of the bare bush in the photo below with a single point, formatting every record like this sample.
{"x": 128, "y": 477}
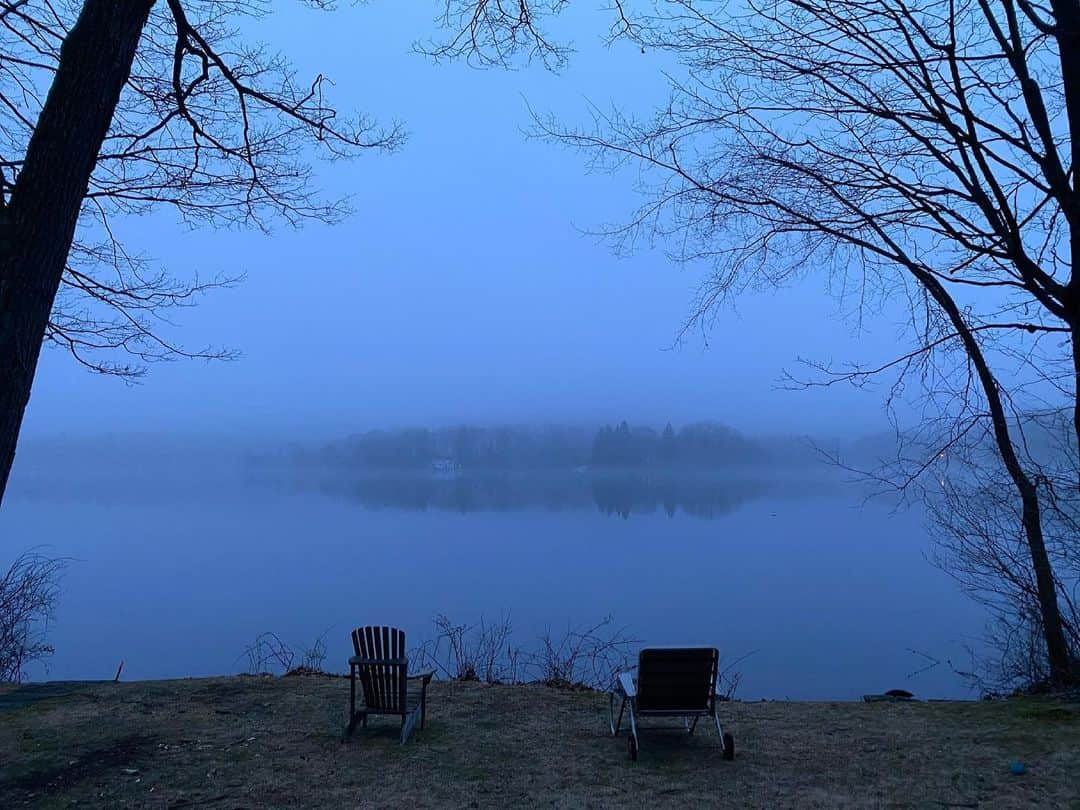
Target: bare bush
{"x": 588, "y": 657}
{"x": 979, "y": 541}
{"x": 269, "y": 653}
{"x": 581, "y": 657}
{"x": 28, "y": 595}
{"x": 313, "y": 659}
{"x": 578, "y": 658}
{"x": 728, "y": 678}
{"x": 478, "y": 652}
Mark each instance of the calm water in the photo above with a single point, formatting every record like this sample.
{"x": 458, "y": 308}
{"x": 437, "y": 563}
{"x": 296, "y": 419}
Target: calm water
{"x": 178, "y": 571}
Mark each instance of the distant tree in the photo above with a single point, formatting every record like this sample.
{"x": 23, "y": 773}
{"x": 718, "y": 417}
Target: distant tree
{"x": 710, "y": 444}
{"x": 564, "y": 447}
{"x": 415, "y": 448}
{"x": 466, "y": 449}
{"x": 603, "y": 453}
{"x": 644, "y": 443}
{"x": 667, "y": 450}
{"x": 624, "y": 445}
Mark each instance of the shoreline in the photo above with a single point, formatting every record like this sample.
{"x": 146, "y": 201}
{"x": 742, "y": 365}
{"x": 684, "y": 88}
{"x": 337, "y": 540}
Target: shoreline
{"x": 272, "y": 741}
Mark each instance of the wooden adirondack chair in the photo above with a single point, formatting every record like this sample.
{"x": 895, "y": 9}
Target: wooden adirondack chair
{"x": 381, "y": 666}
{"x": 671, "y": 682}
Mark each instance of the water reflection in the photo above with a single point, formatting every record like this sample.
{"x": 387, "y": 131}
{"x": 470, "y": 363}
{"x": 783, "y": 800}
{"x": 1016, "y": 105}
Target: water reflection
{"x": 621, "y": 494}
{"x": 218, "y": 545}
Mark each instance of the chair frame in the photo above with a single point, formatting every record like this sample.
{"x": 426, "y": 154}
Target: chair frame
{"x": 390, "y": 670}
{"x": 627, "y": 688}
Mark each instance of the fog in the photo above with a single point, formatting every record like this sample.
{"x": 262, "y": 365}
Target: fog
{"x": 464, "y": 287}
{"x": 181, "y": 551}
{"x": 206, "y": 504}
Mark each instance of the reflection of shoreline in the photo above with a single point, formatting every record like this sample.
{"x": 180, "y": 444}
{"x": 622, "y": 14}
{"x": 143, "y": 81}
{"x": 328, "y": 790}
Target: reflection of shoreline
{"x": 612, "y": 493}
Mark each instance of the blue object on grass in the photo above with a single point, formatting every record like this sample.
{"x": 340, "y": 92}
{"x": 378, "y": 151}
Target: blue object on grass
{"x": 1018, "y": 768}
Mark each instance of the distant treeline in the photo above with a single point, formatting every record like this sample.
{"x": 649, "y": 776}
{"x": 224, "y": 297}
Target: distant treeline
{"x": 465, "y": 448}
{"x": 703, "y": 444}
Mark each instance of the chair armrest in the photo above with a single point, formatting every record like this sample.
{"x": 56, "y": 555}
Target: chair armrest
{"x": 358, "y": 660}
{"x": 627, "y": 685}
{"x": 426, "y": 675}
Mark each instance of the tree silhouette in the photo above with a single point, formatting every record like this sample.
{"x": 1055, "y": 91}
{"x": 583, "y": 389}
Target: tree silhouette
{"x": 147, "y": 104}
{"x": 922, "y": 151}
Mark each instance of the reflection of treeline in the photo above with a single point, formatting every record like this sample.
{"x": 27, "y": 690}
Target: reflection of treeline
{"x": 613, "y": 494}
{"x": 455, "y": 449}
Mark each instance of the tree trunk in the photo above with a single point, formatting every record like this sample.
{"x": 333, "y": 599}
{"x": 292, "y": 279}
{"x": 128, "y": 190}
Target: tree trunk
{"x": 39, "y": 222}
{"x": 1057, "y": 648}
{"x": 1075, "y": 340}
{"x": 1067, "y": 15}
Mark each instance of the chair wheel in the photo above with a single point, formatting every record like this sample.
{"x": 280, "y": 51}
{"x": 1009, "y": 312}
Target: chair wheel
{"x": 729, "y": 747}
{"x": 632, "y": 745}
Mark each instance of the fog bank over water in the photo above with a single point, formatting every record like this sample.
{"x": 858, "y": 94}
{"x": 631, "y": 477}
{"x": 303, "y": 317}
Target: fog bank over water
{"x": 79, "y": 466}
{"x": 184, "y": 548}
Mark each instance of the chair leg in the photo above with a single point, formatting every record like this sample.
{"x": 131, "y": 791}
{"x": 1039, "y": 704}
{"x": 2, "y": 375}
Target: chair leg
{"x": 615, "y": 723}
{"x": 726, "y": 740}
{"x": 408, "y": 722}
{"x": 352, "y": 704}
{"x": 348, "y": 728}
{"x": 693, "y": 725}
{"x": 634, "y": 743}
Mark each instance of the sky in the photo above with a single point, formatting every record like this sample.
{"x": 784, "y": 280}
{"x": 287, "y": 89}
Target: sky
{"x": 464, "y": 287}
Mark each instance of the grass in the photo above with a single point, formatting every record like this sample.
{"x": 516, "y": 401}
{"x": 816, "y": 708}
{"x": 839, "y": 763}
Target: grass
{"x": 276, "y": 742}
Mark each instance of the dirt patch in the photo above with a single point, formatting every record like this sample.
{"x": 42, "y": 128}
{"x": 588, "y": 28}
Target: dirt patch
{"x": 59, "y": 776}
{"x": 271, "y": 742}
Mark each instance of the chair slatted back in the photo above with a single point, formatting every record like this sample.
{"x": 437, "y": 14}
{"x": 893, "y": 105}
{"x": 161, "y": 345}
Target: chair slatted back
{"x": 383, "y": 683}
{"x": 670, "y": 679}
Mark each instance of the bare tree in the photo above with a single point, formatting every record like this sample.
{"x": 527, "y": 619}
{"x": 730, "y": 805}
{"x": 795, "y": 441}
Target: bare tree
{"x": 974, "y": 520}
{"x": 28, "y": 594}
{"x": 112, "y": 107}
{"x": 925, "y": 149}
{"x": 493, "y": 33}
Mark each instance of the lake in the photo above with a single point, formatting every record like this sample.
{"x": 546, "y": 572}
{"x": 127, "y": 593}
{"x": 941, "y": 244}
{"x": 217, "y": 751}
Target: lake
{"x": 177, "y": 568}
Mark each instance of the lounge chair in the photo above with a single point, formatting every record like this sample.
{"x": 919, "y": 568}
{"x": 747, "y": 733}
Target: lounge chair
{"x": 382, "y": 667}
{"x": 671, "y": 682}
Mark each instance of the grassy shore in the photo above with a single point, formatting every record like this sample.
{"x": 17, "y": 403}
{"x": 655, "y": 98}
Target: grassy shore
{"x": 275, "y": 742}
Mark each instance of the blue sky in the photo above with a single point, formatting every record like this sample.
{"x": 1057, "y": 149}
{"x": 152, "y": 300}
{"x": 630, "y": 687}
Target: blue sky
{"x": 462, "y": 288}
